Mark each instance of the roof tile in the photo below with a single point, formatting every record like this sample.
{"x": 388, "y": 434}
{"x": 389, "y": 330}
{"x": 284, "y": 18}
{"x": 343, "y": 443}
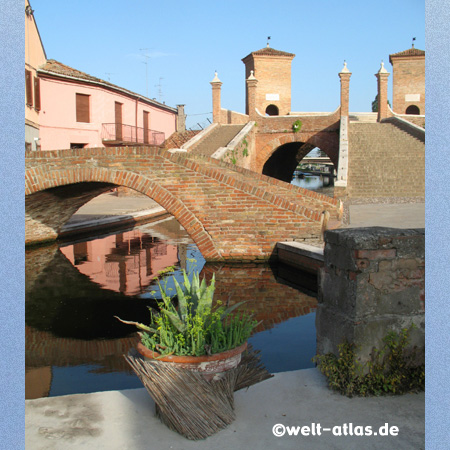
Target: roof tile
{"x": 57, "y": 68}
{"x": 269, "y": 51}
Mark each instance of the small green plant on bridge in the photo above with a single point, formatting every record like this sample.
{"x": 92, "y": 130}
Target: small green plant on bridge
{"x": 296, "y": 126}
{"x": 391, "y": 370}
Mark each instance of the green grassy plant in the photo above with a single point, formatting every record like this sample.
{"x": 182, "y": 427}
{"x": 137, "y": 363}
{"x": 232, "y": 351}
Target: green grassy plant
{"x": 390, "y": 371}
{"x": 195, "y": 327}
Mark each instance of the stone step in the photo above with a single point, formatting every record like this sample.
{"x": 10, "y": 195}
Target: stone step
{"x": 220, "y": 136}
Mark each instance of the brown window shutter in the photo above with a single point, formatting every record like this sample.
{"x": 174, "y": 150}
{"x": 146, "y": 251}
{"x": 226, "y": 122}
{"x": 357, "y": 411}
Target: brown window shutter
{"x": 82, "y": 101}
{"x": 118, "y": 119}
{"x": 145, "y": 127}
{"x": 29, "y": 87}
{"x": 37, "y": 93}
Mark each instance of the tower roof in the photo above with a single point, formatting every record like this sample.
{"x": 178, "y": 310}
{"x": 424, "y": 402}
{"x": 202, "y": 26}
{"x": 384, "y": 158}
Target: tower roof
{"x": 268, "y": 51}
{"x": 407, "y": 53}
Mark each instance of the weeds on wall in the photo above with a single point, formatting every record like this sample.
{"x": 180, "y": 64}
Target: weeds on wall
{"x": 297, "y": 126}
{"x": 233, "y": 155}
{"x": 390, "y": 371}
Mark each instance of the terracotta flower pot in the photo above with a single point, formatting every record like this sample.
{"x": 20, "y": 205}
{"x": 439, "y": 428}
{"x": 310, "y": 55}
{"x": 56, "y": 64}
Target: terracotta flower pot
{"x": 211, "y": 367}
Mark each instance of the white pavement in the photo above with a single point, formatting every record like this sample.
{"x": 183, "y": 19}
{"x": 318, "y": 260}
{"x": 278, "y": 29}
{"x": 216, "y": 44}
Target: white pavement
{"x": 125, "y": 419}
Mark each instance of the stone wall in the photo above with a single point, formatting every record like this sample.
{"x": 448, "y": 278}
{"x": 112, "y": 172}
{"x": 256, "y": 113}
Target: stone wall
{"x": 372, "y": 282}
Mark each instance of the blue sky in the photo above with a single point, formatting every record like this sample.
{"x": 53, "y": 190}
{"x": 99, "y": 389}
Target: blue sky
{"x": 188, "y": 40}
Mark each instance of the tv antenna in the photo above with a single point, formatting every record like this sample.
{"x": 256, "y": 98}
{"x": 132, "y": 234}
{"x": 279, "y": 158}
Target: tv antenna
{"x": 109, "y": 73}
{"x": 147, "y": 57}
{"x": 159, "y": 86}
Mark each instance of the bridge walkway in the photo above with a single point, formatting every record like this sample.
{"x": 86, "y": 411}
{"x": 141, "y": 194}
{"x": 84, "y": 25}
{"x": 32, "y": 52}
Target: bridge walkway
{"x": 300, "y": 198}
{"x": 378, "y": 156}
{"x": 219, "y": 136}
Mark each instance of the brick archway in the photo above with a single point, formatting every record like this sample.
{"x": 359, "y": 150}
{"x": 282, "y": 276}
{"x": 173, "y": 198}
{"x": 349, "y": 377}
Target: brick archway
{"x": 51, "y": 179}
{"x": 231, "y": 214}
{"x": 326, "y": 141}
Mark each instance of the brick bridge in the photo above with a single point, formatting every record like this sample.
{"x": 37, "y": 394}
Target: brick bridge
{"x": 373, "y": 153}
{"x": 231, "y": 213}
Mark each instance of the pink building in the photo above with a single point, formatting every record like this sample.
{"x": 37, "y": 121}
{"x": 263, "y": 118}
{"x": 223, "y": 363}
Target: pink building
{"x": 66, "y": 108}
{"x": 78, "y": 110}
{"x": 34, "y": 58}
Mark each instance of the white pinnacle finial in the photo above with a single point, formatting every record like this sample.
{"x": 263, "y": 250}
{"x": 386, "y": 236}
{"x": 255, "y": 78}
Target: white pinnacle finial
{"x": 382, "y": 69}
{"x": 251, "y": 77}
{"x": 345, "y": 68}
{"x": 215, "y": 79}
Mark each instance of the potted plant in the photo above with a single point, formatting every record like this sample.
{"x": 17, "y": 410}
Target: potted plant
{"x": 196, "y": 334}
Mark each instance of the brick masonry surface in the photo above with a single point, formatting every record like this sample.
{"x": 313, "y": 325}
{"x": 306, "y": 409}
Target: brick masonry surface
{"x": 408, "y": 80}
{"x": 372, "y": 282}
{"x": 230, "y": 214}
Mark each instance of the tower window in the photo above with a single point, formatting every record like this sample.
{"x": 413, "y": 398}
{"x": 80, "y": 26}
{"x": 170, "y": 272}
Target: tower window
{"x": 412, "y": 109}
{"x": 272, "y": 110}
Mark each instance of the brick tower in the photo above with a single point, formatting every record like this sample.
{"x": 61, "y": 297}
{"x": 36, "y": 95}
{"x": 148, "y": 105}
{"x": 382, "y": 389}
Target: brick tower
{"x": 408, "y": 68}
{"x": 272, "y": 70}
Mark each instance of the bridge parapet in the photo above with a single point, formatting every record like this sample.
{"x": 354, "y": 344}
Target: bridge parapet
{"x": 311, "y": 122}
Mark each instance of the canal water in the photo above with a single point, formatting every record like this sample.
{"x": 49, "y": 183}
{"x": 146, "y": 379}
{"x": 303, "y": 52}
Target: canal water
{"x": 73, "y": 291}
{"x": 318, "y": 183}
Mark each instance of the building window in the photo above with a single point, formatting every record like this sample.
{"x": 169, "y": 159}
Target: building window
{"x": 82, "y": 105}
{"x": 27, "y": 146}
{"x": 412, "y": 109}
{"x": 37, "y": 94}
{"x": 272, "y": 110}
{"x": 29, "y": 87}
{"x": 75, "y": 145}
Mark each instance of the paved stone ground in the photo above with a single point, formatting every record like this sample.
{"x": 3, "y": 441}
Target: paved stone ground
{"x": 108, "y": 205}
{"x": 125, "y": 419}
{"x": 401, "y": 215}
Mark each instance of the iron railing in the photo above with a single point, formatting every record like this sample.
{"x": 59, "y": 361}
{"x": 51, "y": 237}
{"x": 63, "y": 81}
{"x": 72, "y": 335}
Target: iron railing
{"x": 118, "y": 133}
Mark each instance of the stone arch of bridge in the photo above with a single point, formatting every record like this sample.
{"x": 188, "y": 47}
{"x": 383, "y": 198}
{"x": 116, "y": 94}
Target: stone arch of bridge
{"x": 50, "y": 180}
{"x": 280, "y": 156}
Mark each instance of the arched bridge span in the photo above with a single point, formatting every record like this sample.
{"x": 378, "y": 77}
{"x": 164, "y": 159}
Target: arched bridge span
{"x": 230, "y": 213}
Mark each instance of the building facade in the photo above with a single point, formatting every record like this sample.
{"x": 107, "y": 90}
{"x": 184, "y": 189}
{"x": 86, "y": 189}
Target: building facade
{"x": 34, "y": 57}
{"x": 79, "y": 110}
{"x": 408, "y": 81}
{"x": 272, "y": 70}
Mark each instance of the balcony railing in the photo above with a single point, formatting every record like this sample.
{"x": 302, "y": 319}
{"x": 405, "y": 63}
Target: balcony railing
{"x": 120, "y": 134}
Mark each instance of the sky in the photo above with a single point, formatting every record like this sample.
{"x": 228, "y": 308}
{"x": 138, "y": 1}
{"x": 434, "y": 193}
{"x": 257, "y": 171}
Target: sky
{"x": 185, "y": 42}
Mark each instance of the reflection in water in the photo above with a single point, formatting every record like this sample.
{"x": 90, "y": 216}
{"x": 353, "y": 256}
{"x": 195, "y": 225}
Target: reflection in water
{"x": 73, "y": 342}
{"x": 318, "y": 183}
